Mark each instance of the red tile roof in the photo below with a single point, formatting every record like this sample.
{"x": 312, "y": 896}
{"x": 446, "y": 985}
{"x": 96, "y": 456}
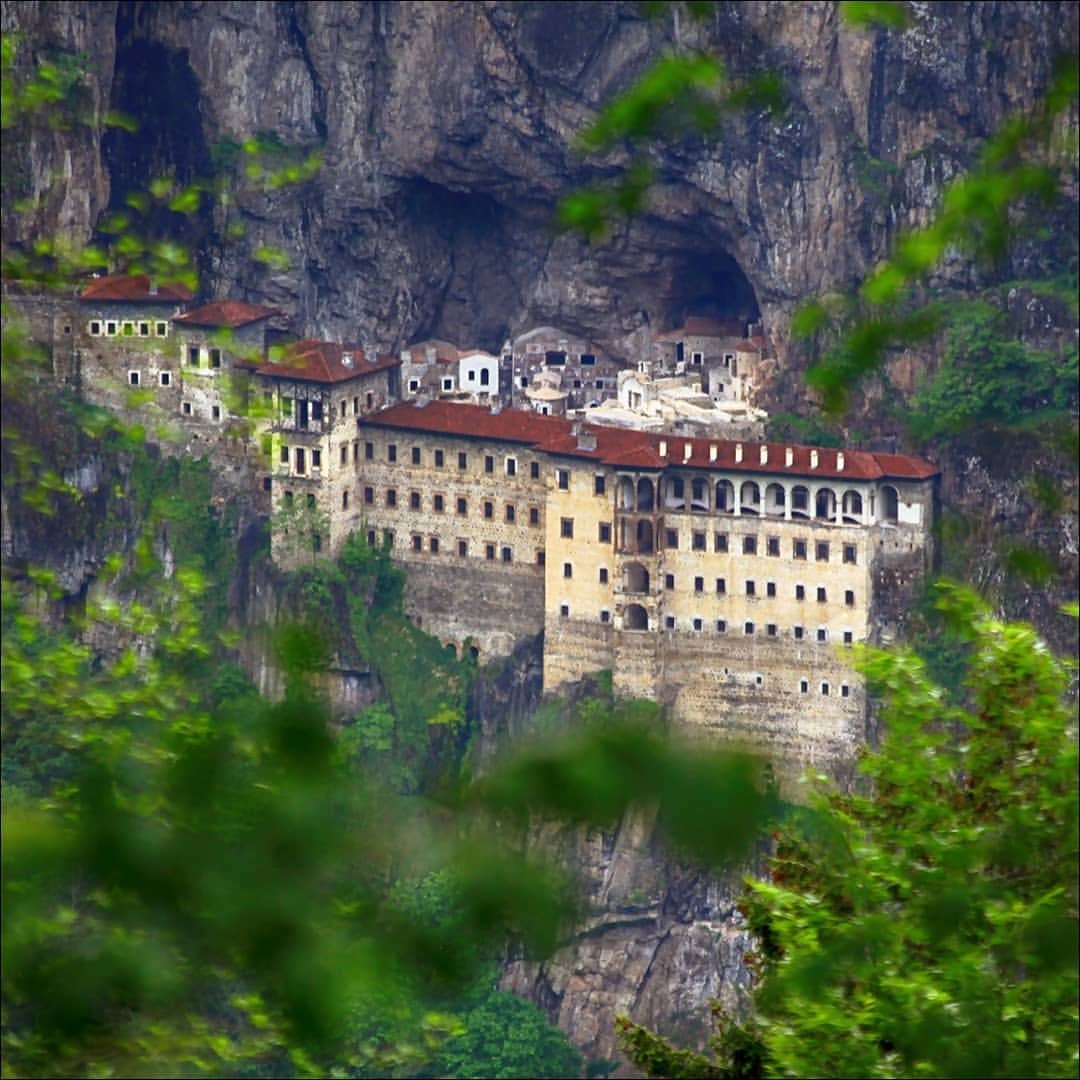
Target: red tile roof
{"x": 704, "y": 326}
{"x": 625, "y": 448}
{"x": 135, "y": 288}
{"x": 230, "y": 313}
{"x": 324, "y": 362}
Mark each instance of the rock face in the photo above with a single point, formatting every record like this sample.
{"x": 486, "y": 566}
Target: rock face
{"x": 447, "y": 130}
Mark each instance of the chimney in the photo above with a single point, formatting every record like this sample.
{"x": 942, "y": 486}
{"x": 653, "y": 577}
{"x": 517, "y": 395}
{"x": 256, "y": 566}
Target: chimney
{"x": 789, "y": 456}
{"x": 687, "y": 451}
{"x": 586, "y": 440}
{"x": 347, "y": 359}
{"x": 738, "y": 453}
{"x": 840, "y": 461}
{"x": 813, "y": 459}
{"x": 712, "y": 452}
{"x": 663, "y": 447}
{"x": 764, "y": 454}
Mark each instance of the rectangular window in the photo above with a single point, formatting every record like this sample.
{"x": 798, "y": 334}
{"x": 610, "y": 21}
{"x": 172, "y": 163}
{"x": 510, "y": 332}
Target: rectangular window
{"x": 749, "y": 545}
{"x": 599, "y": 485}
{"x": 415, "y": 455}
{"x": 356, "y": 406}
{"x": 721, "y": 586}
{"x": 720, "y": 542}
{"x": 369, "y": 451}
{"x": 284, "y": 455}
{"x": 772, "y": 546}
{"x": 110, "y": 331}
{"x": 193, "y": 355}
{"x": 748, "y": 628}
{"x": 489, "y": 509}
{"x": 511, "y": 466}
{"x": 540, "y": 557}
{"x": 822, "y": 635}
{"x": 391, "y": 497}
{"x": 391, "y": 452}
{"x": 448, "y": 385}
{"x": 215, "y": 412}
{"x": 849, "y": 553}
{"x": 603, "y": 575}
{"x": 356, "y": 451}
{"x": 849, "y": 597}
{"x": 821, "y": 551}
{"x": 511, "y": 513}
{"x": 798, "y": 549}
{"x": 301, "y": 463}
{"x": 133, "y": 378}
{"x": 697, "y": 541}
{"x": 95, "y": 329}
{"x": 750, "y": 588}
{"x": 489, "y": 464}
{"x": 534, "y": 515}
{"x": 463, "y": 461}
{"x": 462, "y": 506}
{"x": 848, "y": 637}
{"x": 463, "y": 548}
{"x": 800, "y": 592}
{"x": 489, "y": 552}
{"x": 798, "y": 632}
{"x": 671, "y": 539}
{"x": 804, "y": 686}
{"x": 562, "y": 479}
{"x": 821, "y": 594}
{"x": 438, "y": 503}
{"x": 697, "y": 625}
{"x": 440, "y": 458}
{"x": 567, "y": 570}
{"x": 534, "y": 470}
{"x": 345, "y": 454}
{"x": 215, "y": 358}
{"x": 566, "y": 528}
{"x": 507, "y": 554}
{"x": 669, "y": 581}
{"x": 770, "y": 629}
{"x": 721, "y": 626}
{"x": 605, "y": 615}
{"x": 369, "y": 495}
{"x": 414, "y": 500}
{"x": 316, "y": 459}
{"x": 144, "y": 329}
{"x": 770, "y": 588}
{"x": 564, "y": 611}
{"x": 699, "y": 584}
{"x": 186, "y": 409}
{"x": 845, "y": 690}
{"x": 433, "y": 545}
{"x": 162, "y": 329}
{"x": 417, "y": 542}
{"x": 605, "y": 533}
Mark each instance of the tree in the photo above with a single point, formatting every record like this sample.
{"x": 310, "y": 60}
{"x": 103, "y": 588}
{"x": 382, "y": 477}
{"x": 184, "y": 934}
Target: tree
{"x": 928, "y": 928}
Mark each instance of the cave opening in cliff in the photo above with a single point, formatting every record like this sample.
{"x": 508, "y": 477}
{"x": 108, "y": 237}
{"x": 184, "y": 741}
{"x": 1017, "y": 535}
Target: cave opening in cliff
{"x": 710, "y": 283}
{"x": 156, "y": 87}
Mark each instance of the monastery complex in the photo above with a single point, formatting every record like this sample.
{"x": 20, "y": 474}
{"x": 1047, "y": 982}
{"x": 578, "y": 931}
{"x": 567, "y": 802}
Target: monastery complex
{"x": 724, "y": 576}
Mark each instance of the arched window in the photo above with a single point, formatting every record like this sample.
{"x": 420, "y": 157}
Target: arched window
{"x": 825, "y": 504}
{"x": 644, "y": 541}
{"x": 890, "y": 503}
{"x": 699, "y": 494}
{"x": 636, "y": 618}
{"x": 725, "y": 496}
{"x": 852, "y": 507}
{"x": 775, "y": 499}
{"x": 800, "y": 501}
{"x": 750, "y": 498}
{"x": 675, "y": 495}
{"x": 645, "y": 496}
{"x": 636, "y": 578}
{"x": 626, "y": 493}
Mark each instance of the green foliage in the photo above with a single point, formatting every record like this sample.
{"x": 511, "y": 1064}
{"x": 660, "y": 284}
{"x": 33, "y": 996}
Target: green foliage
{"x": 809, "y": 431}
{"x": 988, "y": 378}
{"x": 1019, "y": 169}
{"x": 929, "y": 928}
